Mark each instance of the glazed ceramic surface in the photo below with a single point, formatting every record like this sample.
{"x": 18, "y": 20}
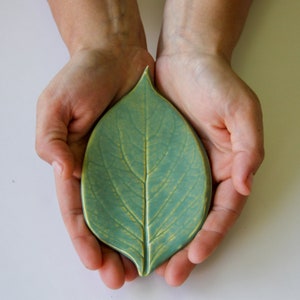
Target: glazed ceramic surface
{"x": 146, "y": 181}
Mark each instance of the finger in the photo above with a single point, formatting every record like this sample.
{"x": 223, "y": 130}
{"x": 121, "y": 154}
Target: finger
{"x": 51, "y": 137}
{"x": 227, "y": 207}
{"x": 178, "y": 268}
{"x": 85, "y": 243}
{"x": 244, "y": 167}
{"x": 162, "y": 269}
{"x": 130, "y": 270}
{"x": 112, "y": 270}
{"x": 246, "y": 130}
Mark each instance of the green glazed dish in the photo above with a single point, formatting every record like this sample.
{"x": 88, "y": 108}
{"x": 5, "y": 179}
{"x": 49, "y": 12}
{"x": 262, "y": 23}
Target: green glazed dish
{"x": 146, "y": 180}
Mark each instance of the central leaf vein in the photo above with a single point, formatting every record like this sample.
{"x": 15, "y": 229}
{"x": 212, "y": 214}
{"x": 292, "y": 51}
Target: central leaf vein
{"x": 146, "y": 188}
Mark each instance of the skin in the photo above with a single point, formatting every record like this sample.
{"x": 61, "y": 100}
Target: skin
{"x": 193, "y": 70}
{"x": 108, "y": 54}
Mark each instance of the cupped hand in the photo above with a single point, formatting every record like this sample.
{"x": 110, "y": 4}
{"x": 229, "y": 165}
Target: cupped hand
{"x": 67, "y": 110}
{"x": 227, "y": 116}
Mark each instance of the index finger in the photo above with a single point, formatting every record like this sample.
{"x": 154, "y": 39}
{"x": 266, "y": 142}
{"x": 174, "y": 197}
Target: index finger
{"x": 227, "y": 206}
{"x": 85, "y": 243}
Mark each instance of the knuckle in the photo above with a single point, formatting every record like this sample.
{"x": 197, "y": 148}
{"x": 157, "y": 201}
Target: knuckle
{"x": 40, "y": 149}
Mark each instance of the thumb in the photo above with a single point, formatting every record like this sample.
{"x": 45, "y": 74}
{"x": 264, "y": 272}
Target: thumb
{"x": 247, "y": 146}
{"x": 51, "y": 141}
{"x": 243, "y": 170}
{"x": 58, "y": 154}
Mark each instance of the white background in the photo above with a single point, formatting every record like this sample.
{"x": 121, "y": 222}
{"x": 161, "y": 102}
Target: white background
{"x": 259, "y": 259}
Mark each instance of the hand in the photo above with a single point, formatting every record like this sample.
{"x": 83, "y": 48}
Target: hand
{"x": 227, "y": 116}
{"x": 66, "y": 113}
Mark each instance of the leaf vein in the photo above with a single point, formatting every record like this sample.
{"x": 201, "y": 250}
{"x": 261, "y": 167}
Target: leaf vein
{"x": 117, "y": 190}
{"x": 126, "y": 157}
{"x": 172, "y": 212}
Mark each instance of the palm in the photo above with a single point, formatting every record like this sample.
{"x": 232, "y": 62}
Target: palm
{"x": 81, "y": 92}
{"x": 227, "y": 117}
{"x": 215, "y": 101}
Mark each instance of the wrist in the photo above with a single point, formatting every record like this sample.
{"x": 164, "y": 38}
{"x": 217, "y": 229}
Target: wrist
{"x": 110, "y": 37}
{"x": 211, "y": 27}
{"x": 98, "y": 24}
{"x": 187, "y": 36}
{"x": 189, "y": 43}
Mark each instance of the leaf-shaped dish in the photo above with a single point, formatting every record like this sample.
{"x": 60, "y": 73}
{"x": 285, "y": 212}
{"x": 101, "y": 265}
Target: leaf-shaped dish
{"x": 146, "y": 182}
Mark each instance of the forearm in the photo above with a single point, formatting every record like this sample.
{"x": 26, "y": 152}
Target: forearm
{"x": 212, "y": 26}
{"x": 98, "y": 24}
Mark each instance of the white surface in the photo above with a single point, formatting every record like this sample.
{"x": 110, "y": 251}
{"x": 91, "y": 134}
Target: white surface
{"x": 259, "y": 259}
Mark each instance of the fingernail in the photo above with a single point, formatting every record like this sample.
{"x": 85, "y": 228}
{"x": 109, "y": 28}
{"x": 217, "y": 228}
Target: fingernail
{"x": 57, "y": 167}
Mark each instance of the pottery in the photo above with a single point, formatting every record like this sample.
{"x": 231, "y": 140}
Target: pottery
{"x": 146, "y": 180}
